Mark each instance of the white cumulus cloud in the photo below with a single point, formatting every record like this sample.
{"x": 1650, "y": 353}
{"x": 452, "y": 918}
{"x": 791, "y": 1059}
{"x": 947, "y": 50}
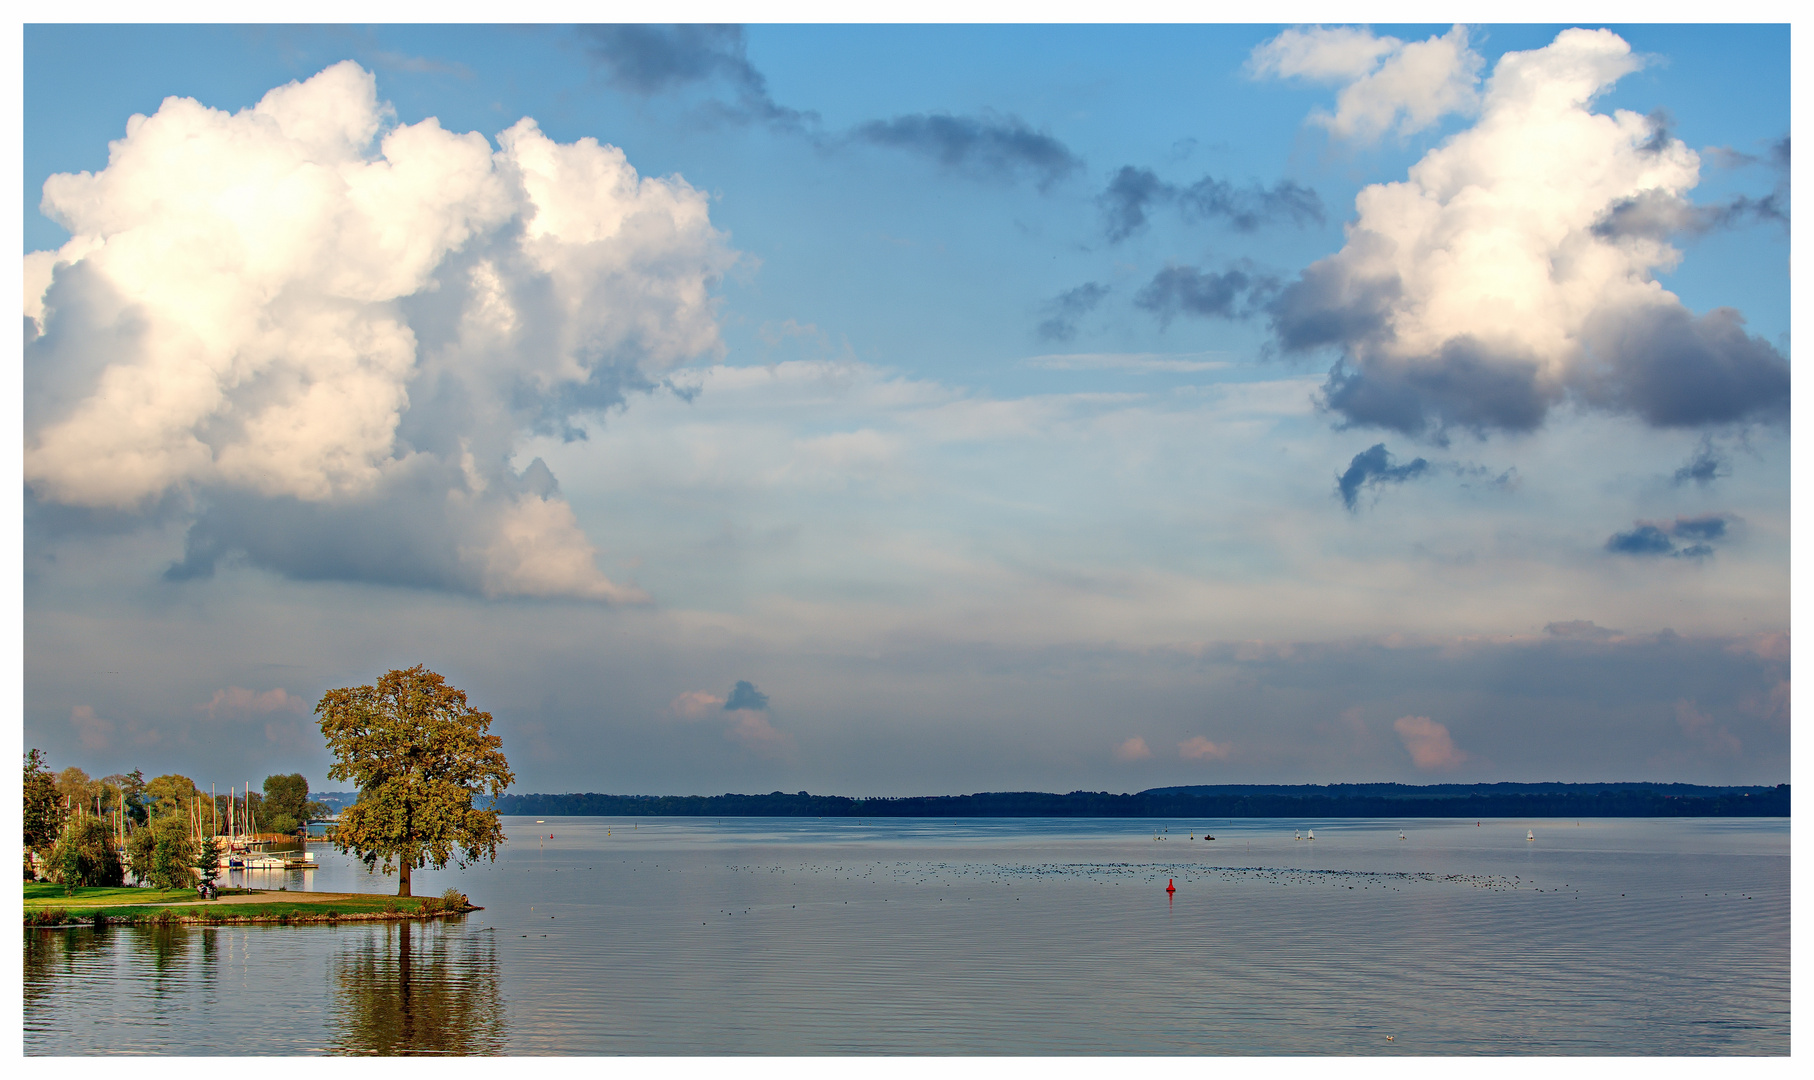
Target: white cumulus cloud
{"x": 1505, "y": 273}
{"x": 306, "y": 311}
{"x": 1388, "y": 83}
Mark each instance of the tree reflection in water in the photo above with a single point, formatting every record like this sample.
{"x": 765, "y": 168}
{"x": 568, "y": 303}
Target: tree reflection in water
{"x": 407, "y": 989}
{"x": 57, "y": 952}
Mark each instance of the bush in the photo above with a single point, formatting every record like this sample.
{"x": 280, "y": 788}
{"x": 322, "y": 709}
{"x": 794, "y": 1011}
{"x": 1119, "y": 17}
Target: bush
{"x": 390, "y": 906}
{"x": 431, "y": 905}
{"x": 453, "y": 900}
{"x": 48, "y": 917}
{"x": 85, "y": 855}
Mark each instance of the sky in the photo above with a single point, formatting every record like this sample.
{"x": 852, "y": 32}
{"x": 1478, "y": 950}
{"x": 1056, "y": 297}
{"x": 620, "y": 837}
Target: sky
{"x": 884, "y": 410}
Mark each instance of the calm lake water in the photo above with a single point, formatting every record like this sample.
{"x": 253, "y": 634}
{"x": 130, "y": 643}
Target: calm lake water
{"x": 987, "y": 936}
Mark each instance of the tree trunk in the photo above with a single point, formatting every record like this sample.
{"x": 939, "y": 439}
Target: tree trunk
{"x": 403, "y": 879}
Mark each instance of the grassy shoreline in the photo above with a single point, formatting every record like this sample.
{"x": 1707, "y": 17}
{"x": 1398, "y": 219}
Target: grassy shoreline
{"x": 51, "y": 908}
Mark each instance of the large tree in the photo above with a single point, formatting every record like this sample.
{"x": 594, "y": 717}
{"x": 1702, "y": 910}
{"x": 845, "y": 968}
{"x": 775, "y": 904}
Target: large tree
{"x": 419, "y": 755}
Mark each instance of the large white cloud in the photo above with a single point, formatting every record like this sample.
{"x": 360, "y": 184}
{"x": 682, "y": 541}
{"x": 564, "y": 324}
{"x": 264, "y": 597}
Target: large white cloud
{"x": 264, "y": 310}
{"x": 1512, "y": 269}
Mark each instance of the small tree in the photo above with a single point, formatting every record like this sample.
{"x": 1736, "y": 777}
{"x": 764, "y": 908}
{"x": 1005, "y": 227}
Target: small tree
{"x": 419, "y": 754}
{"x": 85, "y": 854}
{"x": 207, "y": 859}
{"x": 43, "y": 807}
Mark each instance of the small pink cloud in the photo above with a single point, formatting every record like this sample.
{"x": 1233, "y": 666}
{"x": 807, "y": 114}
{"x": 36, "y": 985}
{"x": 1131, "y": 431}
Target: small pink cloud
{"x": 1134, "y": 749}
{"x": 1197, "y": 748}
{"x": 237, "y": 699}
{"x": 751, "y": 728}
{"x": 695, "y": 705}
{"x": 1429, "y": 743}
{"x": 1710, "y": 733}
{"x": 95, "y": 732}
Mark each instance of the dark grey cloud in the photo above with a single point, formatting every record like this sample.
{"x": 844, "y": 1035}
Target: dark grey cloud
{"x": 1125, "y": 201}
{"x": 1067, "y": 307}
{"x": 1659, "y": 362}
{"x": 647, "y": 60}
{"x": 1659, "y": 538}
{"x": 1643, "y": 540}
{"x": 1133, "y": 192}
{"x": 1704, "y": 467}
{"x": 1186, "y": 290}
{"x": 1373, "y": 467}
{"x": 987, "y": 146}
{"x": 745, "y": 696}
{"x": 1676, "y": 369}
{"x": 1468, "y": 386}
{"x": 409, "y": 531}
{"x": 1658, "y": 215}
{"x": 1326, "y": 305}
{"x": 1248, "y": 208}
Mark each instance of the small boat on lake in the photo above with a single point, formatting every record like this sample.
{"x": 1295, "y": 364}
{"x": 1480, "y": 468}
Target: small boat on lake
{"x": 1312, "y": 835}
{"x": 1529, "y": 834}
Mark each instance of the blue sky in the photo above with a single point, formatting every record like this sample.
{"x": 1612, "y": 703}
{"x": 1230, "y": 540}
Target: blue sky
{"x": 1004, "y": 407}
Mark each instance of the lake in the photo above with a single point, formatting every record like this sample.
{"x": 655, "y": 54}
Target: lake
{"x": 987, "y": 936}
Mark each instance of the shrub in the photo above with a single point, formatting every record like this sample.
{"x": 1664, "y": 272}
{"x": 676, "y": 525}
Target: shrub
{"x": 430, "y": 905}
{"x": 453, "y": 900}
{"x": 390, "y": 906}
{"x": 50, "y": 917}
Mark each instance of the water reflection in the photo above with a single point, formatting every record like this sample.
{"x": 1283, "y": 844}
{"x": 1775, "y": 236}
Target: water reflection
{"x": 408, "y": 989}
{"x": 57, "y": 952}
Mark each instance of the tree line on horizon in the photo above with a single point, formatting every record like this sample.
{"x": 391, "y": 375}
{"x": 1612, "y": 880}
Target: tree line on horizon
{"x": 1596, "y": 800}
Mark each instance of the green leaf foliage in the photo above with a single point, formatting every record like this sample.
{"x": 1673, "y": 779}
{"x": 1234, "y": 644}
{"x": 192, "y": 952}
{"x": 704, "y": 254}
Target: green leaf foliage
{"x": 85, "y": 854}
{"x": 163, "y": 853}
{"x": 43, "y": 806}
{"x": 418, "y": 754}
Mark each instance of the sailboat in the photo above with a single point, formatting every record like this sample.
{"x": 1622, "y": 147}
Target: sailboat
{"x": 1295, "y": 835}
{"x": 1401, "y": 834}
{"x": 1529, "y": 834}
{"x": 1312, "y": 835}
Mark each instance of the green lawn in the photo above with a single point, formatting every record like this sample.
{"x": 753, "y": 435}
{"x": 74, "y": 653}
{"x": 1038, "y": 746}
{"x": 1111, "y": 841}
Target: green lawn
{"x": 147, "y": 905}
{"x": 41, "y": 894}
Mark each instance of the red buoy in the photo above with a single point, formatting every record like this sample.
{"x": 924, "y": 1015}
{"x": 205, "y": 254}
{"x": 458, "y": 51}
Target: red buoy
{"x": 1169, "y": 887}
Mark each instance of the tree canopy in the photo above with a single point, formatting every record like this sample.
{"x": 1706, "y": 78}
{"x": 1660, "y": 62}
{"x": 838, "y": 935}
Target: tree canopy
{"x": 418, "y": 754}
{"x": 286, "y": 806}
{"x": 172, "y": 793}
{"x": 43, "y": 806}
{"x": 85, "y": 854}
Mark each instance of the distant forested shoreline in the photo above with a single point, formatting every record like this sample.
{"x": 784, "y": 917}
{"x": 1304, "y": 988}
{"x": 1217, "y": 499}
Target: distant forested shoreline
{"x": 1210, "y": 801}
